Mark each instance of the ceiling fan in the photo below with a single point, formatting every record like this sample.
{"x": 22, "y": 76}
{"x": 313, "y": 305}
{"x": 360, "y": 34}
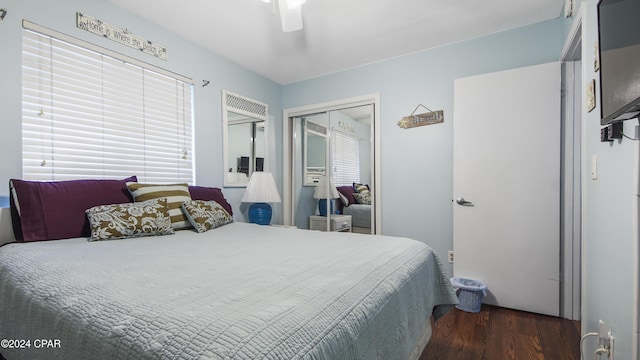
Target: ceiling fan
{"x": 290, "y": 14}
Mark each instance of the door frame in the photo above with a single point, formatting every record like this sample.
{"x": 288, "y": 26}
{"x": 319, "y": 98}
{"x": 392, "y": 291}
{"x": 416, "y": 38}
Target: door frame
{"x": 290, "y": 158}
{"x": 573, "y": 163}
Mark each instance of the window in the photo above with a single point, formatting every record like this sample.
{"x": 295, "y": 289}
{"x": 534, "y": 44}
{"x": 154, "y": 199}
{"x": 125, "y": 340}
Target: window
{"x": 346, "y": 158}
{"x": 88, "y": 112}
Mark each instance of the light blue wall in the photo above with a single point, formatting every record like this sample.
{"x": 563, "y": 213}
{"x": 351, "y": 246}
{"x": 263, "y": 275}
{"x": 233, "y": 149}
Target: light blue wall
{"x": 184, "y": 58}
{"x": 609, "y": 238}
{"x": 417, "y": 163}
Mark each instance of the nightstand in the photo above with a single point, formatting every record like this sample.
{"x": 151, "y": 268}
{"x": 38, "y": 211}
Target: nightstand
{"x": 337, "y": 222}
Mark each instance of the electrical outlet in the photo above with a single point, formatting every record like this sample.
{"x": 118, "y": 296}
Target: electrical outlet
{"x": 605, "y": 340}
{"x": 450, "y": 254}
{"x": 603, "y": 333}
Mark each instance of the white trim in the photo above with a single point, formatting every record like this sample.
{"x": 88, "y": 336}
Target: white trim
{"x": 571, "y": 236}
{"x": 87, "y": 45}
{"x": 572, "y": 180}
{"x": 288, "y": 156}
{"x": 635, "y": 213}
{"x": 255, "y": 110}
{"x": 574, "y": 38}
{"x": 585, "y": 167}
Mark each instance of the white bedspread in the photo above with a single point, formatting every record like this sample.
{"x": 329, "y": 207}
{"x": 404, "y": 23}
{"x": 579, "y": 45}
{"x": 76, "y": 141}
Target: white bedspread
{"x": 242, "y": 291}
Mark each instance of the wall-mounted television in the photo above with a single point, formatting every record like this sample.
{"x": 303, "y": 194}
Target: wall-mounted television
{"x": 619, "y": 48}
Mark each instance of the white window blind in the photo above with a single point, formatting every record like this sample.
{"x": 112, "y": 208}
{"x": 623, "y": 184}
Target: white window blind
{"x": 345, "y": 150}
{"x": 86, "y": 114}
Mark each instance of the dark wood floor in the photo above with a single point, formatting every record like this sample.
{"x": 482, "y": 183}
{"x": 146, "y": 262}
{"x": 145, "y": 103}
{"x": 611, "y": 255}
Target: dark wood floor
{"x": 497, "y": 333}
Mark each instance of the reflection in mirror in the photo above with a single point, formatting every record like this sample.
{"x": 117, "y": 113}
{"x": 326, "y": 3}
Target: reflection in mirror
{"x": 315, "y": 137}
{"x": 337, "y": 144}
{"x": 351, "y": 148}
{"x": 244, "y": 124}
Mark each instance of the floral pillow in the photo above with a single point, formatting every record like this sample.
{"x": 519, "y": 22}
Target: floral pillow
{"x": 205, "y": 215}
{"x": 120, "y": 221}
{"x": 363, "y": 197}
{"x": 361, "y": 188}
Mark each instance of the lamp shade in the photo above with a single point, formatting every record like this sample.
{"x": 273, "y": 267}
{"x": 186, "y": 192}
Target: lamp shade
{"x": 261, "y": 189}
{"x": 324, "y": 190}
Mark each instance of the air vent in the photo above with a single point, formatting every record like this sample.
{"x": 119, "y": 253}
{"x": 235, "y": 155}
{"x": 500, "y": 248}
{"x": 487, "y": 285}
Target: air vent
{"x": 244, "y": 105}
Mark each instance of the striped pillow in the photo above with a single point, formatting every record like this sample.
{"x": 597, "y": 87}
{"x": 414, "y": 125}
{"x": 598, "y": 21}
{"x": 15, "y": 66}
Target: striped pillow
{"x": 176, "y": 194}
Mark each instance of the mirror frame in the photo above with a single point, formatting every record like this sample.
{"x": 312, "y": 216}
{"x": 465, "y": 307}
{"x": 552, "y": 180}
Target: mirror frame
{"x": 312, "y": 175}
{"x": 239, "y": 104}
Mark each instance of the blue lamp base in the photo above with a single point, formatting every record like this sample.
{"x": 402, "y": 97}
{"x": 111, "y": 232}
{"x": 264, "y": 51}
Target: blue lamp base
{"x": 322, "y": 207}
{"x": 260, "y": 213}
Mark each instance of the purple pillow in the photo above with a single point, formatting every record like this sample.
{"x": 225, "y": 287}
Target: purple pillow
{"x": 347, "y": 191}
{"x": 56, "y": 209}
{"x": 208, "y": 194}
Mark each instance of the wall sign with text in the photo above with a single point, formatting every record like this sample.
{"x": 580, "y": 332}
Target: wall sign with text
{"x": 121, "y": 36}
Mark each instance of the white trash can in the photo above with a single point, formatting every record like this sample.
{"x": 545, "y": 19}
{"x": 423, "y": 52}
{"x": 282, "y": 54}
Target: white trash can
{"x": 470, "y": 293}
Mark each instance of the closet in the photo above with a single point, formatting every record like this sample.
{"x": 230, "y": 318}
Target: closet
{"x": 330, "y": 177}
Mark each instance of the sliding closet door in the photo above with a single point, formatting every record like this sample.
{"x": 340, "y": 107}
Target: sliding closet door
{"x": 332, "y": 151}
{"x": 351, "y": 143}
{"x": 310, "y": 164}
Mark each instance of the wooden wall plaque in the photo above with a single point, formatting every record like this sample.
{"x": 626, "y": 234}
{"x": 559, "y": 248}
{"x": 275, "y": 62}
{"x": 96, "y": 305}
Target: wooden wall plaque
{"x": 411, "y": 121}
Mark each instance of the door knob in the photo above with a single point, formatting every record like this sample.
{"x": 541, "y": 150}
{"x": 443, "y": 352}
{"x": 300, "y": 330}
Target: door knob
{"x": 463, "y": 202}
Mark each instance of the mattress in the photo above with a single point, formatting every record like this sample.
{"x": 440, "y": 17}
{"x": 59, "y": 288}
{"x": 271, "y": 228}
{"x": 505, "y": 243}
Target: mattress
{"x": 360, "y": 214}
{"x": 241, "y": 291}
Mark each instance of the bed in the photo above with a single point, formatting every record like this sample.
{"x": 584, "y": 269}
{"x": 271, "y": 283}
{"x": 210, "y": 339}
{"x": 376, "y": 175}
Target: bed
{"x": 238, "y": 291}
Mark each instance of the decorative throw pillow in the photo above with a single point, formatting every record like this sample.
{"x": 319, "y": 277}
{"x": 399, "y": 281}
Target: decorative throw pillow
{"x": 120, "y": 221}
{"x": 360, "y": 188}
{"x": 210, "y": 193}
{"x": 343, "y": 198}
{"x": 346, "y": 195}
{"x": 206, "y": 215}
{"x": 176, "y": 194}
{"x": 49, "y": 210}
{"x": 363, "y": 197}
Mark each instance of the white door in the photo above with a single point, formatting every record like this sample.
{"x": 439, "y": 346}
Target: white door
{"x": 506, "y": 165}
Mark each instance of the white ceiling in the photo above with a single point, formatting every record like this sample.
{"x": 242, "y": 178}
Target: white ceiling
{"x": 337, "y": 34}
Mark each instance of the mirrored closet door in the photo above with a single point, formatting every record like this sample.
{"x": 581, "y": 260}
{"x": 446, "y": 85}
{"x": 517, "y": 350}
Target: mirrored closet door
{"x": 332, "y": 170}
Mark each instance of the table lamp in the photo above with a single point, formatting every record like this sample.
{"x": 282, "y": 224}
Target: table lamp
{"x": 325, "y": 190}
{"x": 261, "y": 190}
